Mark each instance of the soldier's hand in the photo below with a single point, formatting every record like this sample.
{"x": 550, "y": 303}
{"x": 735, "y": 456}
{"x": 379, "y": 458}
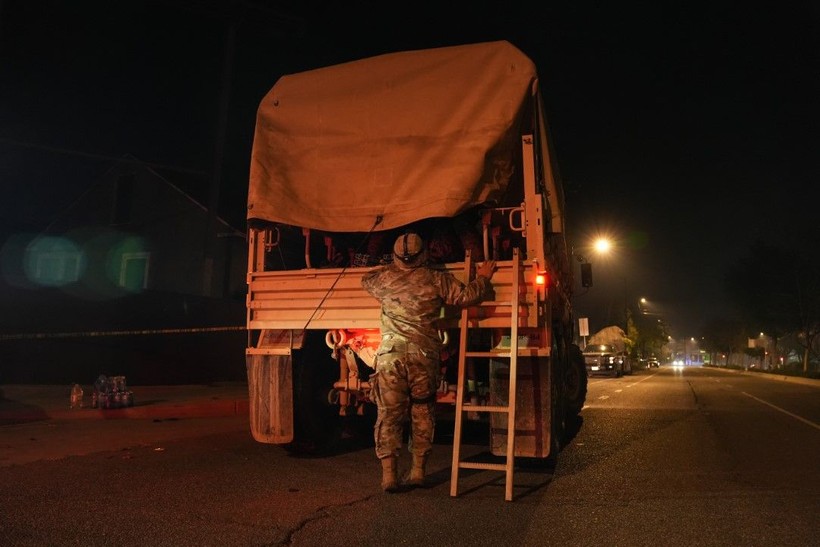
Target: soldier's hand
{"x": 486, "y": 269}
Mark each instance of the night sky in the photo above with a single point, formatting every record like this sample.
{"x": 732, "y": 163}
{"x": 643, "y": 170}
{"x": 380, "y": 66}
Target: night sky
{"x": 686, "y": 131}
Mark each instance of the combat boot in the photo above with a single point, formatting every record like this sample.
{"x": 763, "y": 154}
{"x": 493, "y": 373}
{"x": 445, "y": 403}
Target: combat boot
{"x": 389, "y": 481}
{"x": 417, "y": 471}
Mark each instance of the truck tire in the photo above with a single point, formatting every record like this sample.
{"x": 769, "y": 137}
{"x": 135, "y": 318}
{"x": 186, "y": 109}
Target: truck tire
{"x": 557, "y": 426}
{"x": 317, "y": 424}
{"x": 575, "y": 382}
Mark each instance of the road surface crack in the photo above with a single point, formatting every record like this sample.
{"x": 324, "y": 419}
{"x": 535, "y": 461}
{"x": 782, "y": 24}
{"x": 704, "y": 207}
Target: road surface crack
{"x": 322, "y": 513}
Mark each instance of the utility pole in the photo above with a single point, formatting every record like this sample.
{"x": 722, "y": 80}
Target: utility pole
{"x": 219, "y": 155}
{"x": 281, "y": 24}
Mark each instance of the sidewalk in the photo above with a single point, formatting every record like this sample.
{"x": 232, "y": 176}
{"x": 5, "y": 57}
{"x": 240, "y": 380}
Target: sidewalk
{"x": 769, "y": 376}
{"x": 26, "y": 403}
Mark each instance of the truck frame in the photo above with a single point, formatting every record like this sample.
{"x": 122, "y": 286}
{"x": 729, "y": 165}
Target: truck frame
{"x": 449, "y": 142}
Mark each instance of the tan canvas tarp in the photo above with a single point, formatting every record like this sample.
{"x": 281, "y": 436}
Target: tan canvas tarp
{"x": 407, "y": 136}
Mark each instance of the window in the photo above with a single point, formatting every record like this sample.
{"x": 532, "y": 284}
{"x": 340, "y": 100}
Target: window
{"x": 134, "y": 271}
{"x": 57, "y": 267}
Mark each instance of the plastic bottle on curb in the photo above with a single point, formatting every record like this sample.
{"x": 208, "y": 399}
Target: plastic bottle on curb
{"x": 76, "y": 396}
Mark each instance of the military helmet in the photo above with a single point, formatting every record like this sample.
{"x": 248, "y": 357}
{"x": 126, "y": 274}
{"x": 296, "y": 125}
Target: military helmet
{"x": 408, "y": 251}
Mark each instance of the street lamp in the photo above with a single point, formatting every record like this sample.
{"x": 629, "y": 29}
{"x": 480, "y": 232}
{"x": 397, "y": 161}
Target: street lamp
{"x": 651, "y": 308}
{"x": 603, "y": 245}
{"x": 600, "y": 246}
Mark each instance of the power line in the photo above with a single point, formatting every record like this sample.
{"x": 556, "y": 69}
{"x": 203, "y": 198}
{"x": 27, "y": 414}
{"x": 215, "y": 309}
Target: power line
{"x": 102, "y": 157}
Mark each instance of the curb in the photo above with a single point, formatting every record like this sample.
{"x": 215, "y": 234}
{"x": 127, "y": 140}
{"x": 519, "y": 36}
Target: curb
{"x": 203, "y": 409}
{"x": 775, "y": 377}
{"x": 23, "y": 403}
{"x": 211, "y": 409}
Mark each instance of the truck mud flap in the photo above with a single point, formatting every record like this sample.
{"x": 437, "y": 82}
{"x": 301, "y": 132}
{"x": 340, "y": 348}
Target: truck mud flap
{"x": 270, "y": 393}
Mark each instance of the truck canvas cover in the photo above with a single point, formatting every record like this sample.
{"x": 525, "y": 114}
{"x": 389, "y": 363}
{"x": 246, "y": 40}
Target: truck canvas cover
{"x": 405, "y": 136}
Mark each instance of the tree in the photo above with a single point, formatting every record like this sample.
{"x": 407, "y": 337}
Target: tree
{"x": 778, "y": 290}
{"x": 648, "y": 334}
{"x": 724, "y": 335}
{"x": 807, "y": 282}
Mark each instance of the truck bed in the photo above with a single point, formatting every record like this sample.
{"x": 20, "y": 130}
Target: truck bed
{"x": 333, "y": 298}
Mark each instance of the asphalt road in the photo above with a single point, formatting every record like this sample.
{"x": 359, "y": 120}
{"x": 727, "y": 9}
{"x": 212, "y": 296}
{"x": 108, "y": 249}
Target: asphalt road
{"x": 664, "y": 457}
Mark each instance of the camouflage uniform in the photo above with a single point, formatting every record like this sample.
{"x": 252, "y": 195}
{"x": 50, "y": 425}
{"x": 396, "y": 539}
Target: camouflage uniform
{"x": 407, "y": 361}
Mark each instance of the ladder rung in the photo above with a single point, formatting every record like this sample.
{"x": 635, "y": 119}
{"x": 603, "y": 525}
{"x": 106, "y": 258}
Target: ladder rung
{"x": 523, "y": 352}
{"x": 488, "y": 466}
{"x": 499, "y": 354}
{"x": 485, "y": 408}
{"x": 522, "y": 301}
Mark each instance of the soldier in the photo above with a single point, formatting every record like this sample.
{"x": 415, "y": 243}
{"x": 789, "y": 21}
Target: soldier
{"x": 407, "y": 361}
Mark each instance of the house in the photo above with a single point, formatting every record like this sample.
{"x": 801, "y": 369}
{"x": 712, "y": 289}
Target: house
{"x": 134, "y": 277}
{"x": 135, "y": 231}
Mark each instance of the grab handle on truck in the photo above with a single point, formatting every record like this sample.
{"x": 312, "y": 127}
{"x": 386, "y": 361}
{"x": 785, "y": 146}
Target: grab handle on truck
{"x": 520, "y": 212}
{"x": 306, "y": 233}
{"x": 271, "y": 238}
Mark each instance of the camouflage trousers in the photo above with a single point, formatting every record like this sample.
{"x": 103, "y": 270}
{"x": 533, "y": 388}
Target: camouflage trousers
{"x": 404, "y": 384}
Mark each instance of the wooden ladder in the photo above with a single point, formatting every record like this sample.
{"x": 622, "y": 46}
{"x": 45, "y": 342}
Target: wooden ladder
{"x": 509, "y": 409}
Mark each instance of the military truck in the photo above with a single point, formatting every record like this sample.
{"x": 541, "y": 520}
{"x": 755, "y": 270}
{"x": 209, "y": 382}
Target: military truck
{"x": 453, "y": 144}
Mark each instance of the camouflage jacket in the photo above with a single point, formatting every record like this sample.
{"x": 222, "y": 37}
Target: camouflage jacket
{"x": 411, "y": 299}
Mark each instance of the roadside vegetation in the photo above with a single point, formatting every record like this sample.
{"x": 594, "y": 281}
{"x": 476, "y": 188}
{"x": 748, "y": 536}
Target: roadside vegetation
{"x": 776, "y": 290}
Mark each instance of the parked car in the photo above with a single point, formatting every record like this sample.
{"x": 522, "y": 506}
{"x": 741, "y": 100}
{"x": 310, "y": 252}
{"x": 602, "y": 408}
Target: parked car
{"x": 606, "y": 359}
{"x": 648, "y": 363}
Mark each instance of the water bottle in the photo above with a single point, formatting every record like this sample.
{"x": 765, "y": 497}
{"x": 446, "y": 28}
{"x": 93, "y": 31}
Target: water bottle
{"x": 76, "y": 396}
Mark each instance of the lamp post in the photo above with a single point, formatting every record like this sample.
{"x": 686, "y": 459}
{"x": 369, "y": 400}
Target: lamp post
{"x": 626, "y": 307}
{"x": 600, "y": 246}
{"x": 603, "y": 246}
